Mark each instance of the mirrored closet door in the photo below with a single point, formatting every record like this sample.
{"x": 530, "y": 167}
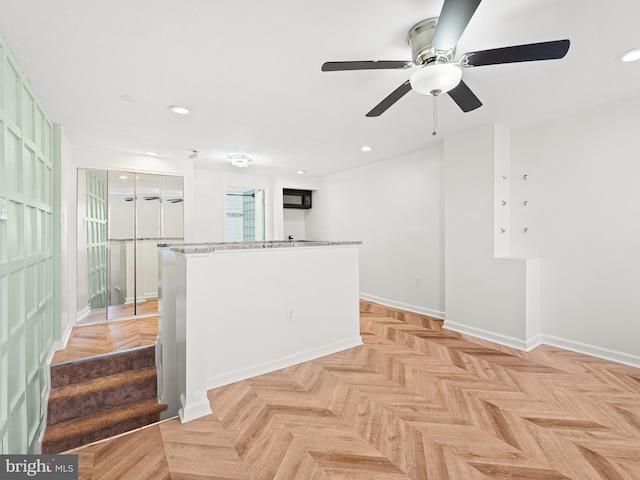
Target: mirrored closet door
{"x": 122, "y": 216}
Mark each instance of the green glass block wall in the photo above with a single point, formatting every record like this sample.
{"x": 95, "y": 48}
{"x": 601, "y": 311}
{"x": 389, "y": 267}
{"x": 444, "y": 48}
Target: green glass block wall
{"x": 27, "y": 318}
{"x": 96, "y": 221}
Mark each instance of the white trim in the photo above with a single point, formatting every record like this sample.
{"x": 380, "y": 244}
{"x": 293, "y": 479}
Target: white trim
{"x": 194, "y": 410}
{"x": 592, "y": 350}
{"x": 403, "y": 306}
{"x": 238, "y": 374}
{"x": 83, "y": 313}
{"x": 486, "y": 335}
{"x": 62, "y": 343}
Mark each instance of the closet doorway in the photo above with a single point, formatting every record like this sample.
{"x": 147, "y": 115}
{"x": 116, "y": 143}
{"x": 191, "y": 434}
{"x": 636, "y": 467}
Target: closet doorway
{"x": 122, "y": 216}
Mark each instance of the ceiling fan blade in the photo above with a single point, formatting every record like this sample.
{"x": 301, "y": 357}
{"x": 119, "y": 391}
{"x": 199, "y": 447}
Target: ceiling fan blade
{"x": 366, "y": 65}
{"x": 454, "y": 18}
{"x": 519, "y": 53}
{"x": 393, "y": 97}
{"x": 464, "y": 97}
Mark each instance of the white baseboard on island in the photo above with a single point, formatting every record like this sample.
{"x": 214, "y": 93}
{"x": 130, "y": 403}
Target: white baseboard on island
{"x": 238, "y": 374}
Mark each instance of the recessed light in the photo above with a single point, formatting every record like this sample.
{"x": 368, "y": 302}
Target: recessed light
{"x": 241, "y": 161}
{"x": 152, "y": 154}
{"x": 123, "y": 177}
{"x": 301, "y": 172}
{"x": 366, "y": 148}
{"x": 179, "y": 110}
{"x": 630, "y": 56}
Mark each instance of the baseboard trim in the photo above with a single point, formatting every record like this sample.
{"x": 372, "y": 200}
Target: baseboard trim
{"x": 236, "y": 375}
{"x": 403, "y": 306}
{"x": 486, "y": 335}
{"x": 592, "y": 350}
{"x": 83, "y": 313}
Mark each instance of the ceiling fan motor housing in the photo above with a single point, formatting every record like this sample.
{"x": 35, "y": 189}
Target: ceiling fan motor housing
{"x": 419, "y": 39}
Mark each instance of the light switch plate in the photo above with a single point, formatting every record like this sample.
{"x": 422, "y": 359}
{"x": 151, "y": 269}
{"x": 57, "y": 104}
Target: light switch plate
{"x": 4, "y": 208}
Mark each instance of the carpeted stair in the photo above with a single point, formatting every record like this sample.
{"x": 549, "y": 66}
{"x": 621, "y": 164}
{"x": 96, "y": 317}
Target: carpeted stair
{"x": 99, "y": 397}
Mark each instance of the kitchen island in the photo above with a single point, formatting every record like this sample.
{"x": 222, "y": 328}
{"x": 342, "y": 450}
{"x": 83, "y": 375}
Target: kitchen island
{"x": 230, "y": 311}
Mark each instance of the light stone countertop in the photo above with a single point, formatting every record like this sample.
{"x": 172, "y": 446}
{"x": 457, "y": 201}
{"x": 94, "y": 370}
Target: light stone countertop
{"x": 186, "y": 248}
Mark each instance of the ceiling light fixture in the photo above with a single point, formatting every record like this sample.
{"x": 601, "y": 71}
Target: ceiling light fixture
{"x": 128, "y": 98}
{"x": 630, "y": 55}
{"x": 366, "y": 148}
{"x": 193, "y": 153}
{"x": 123, "y": 177}
{"x": 301, "y": 172}
{"x": 436, "y": 79}
{"x": 240, "y": 161}
{"x": 152, "y": 154}
{"x": 179, "y": 110}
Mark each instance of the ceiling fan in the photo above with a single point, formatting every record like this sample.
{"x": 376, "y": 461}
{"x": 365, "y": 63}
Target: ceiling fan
{"x": 433, "y": 47}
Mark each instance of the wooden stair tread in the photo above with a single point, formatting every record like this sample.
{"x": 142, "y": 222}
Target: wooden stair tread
{"x": 101, "y": 383}
{"x": 101, "y": 420}
{"x": 110, "y": 364}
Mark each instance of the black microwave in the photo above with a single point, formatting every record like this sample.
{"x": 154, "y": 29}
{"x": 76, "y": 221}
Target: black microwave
{"x": 293, "y": 198}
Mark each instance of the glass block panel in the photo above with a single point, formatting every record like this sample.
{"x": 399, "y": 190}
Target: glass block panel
{"x": 13, "y": 162}
{"x": 32, "y": 347}
{"x": 4, "y": 242}
{"x": 16, "y": 227}
{"x": 12, "y": 95}
{"x": 28, "y": 118}
{"x": 4, "y": 311}
{"x": 4, "y": 390}
{"x": 16, "y": 301}
{"x": 16, "y": 373}
{"x": 33, "y": 409}
{"x": 3, "y": 168}
{"x": 30, "y": 228}
{"x": 2, "y": 69}
{"x": 40, "y": 127}
{"x": 29, "y": 172}
{"x": 31, "y": 289}
{"x": 17, "y": 431}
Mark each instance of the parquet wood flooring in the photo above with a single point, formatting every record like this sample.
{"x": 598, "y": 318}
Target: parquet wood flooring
{"x": 90, "y": 340}
{"x": 414, "y": 402}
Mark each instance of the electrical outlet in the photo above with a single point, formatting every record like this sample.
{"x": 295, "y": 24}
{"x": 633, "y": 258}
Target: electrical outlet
{"x": 289, "y": 315}
{"x": 418, "y": 282}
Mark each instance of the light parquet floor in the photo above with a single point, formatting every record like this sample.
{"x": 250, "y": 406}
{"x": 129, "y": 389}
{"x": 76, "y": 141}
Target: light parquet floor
{"x": 414, "y": 402}
{"x": 106, "y": 337}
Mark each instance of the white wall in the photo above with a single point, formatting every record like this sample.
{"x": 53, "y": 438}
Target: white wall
{"x": 395, "y": 207}
{"x": 583, "y": 220}
{"x": 485, "y": 296}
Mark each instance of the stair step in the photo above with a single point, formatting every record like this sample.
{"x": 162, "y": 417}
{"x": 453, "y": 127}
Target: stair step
{"x": 109, "y": 364}
{"x": 86, "y": 398}
{"x": 71, "y": 434}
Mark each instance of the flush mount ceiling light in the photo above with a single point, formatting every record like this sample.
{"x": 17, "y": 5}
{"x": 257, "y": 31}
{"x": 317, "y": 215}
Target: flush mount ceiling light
{"x": 301, "y": 172}
{"x": 179, "y": 110}
{"x": 436, "y": 79}
{"x": 152, "y": 154}
{"x": 240, "y": 161}
{"x": 193, "y": 153}
{"x": 630, "y": 56}
{"x": 366, "y": 148}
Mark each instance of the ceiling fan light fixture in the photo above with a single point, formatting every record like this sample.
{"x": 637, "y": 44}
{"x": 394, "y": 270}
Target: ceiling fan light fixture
{"x": 436, "y": 79}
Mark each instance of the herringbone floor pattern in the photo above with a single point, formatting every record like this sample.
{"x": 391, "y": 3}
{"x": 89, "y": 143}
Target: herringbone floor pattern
{"x": 414, "y": 402}
{"x": 90, "y": 340}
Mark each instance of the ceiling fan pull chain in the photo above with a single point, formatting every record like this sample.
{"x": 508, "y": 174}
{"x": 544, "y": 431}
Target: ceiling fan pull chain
{"x": 435, "y": 115}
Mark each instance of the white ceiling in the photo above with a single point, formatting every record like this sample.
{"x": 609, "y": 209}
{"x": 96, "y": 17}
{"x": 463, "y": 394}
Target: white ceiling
{"x": 250, "y": 70}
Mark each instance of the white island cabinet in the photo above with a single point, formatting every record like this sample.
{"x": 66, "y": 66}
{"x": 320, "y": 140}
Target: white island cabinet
{"x": 230, "y": 311}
